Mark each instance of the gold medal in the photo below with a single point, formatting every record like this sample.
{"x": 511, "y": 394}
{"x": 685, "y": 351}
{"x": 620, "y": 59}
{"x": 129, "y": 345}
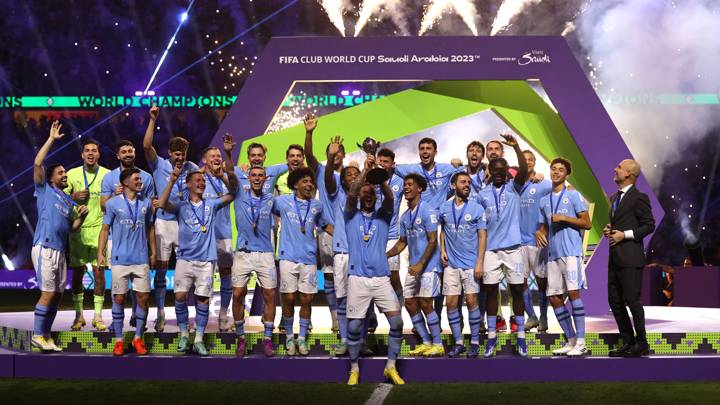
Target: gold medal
{"x": 203, "y": 228}
{"x": 302, "y": 229}
{"x": 366, "y": 238}
{"x": 180, "y": 195}
{"x": 254, "y": 225}
{"x": 133, "y": 227}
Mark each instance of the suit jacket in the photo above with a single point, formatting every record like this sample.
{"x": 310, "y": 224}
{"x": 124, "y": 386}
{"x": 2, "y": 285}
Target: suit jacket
{"x": 634, "y": 214}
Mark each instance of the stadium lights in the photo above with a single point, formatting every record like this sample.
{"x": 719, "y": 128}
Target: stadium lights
{"x": 8, "y": 263}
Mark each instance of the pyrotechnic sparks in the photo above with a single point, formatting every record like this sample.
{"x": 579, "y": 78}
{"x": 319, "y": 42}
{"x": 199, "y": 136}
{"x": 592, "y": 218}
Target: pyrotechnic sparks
{"x": 464, "y": 8}
{"x": 390, "y": 8}
{"x": 509, "y": 9}
{"x": 334, "y": 10}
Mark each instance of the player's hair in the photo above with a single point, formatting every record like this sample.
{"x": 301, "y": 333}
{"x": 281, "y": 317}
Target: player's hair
{"x": 564, "y": 162}
{"x": 208, "y": 149}
{"x": 90, "y": 141}
{"x": 457, "y": 175}
{"x": 497, "y": 142}
{"x": 418, "y": 179}
{"x": 476, "y": 144}
{"x": 256, "y": 145}
{"x": 297, "y": 174}
{"x": 428, "y": 140}
{"x": 127, "y": 173}
{"x": 178, "y": 144}
{"x": 122, "y": 143}
{"x": 343, "y": 173}
{"x": 189, "y": 176}
{"x": 530, "y": 152}
{"x": 50, "y": 170}
{"x": 296, "y": 147}
{"x": 387, "y": 153}
{"x": 500, "y": 161}
{"x": 261, "y": 167}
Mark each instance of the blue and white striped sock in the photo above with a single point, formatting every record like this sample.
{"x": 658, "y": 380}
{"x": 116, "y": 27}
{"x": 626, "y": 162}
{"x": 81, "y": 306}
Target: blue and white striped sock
{"x": 563, "y": 318}
{"x": 41, "y": 314}
{"x": 454, "y": 320}
{"x": 181, "y": 312}
{"x": 578, "y": 315}
{"x": 433, "y": 322}
{"x": 202, "y": 313}
{"x": 118, "y": 315}
{"x": 140, "y": 319}
{"x": 475, "y": 321}
{"x": 225, "y": 294}
{"x": 304, "y": 323}
{"x": 240, "y": 328}
{"x": 419, "y": 324}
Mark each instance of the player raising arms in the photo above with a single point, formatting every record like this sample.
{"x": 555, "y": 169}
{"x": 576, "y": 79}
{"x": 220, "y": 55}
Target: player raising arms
{"x": 418, "y": 230}
{"x": 462, "y": 246}
{"x": 197, "y": 251}
{"x": 503, "y": 259}
{"x": 84, "y": 186}
{"x": 564, "y": 216}
{"x": 254, "y": 253}
{"x": 299, "y": 214}
{"x": 130, "y": 218}
{"x": 369, "y": 274}
{"x": 166, "y": 223}
{"x": 58, "y": 214}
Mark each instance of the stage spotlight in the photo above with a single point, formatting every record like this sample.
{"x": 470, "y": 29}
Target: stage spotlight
{"x": 183, "y": 16}
{"x": 8, "y": 263}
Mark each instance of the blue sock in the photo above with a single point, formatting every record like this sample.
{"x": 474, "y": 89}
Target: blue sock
{"x": 181, "y": 312}
{"x": 269, "y": 326}
{"x": 395, "y": 339}
{"x": 492, "y": 325}
{"x": 433, "y": 321}
{"x": 454, "y": 320}
{"x": 118, "y": 315}
{"x": 41, "y": 314}
{"x": 563, "y": 317}
{"x": 160, "y": 289}
{"x": 140, "y": 318}
{"x": 520, "y": 321}
{"x": 342, "y": 318}
{"x": 289, "y": 321}
{"x": 543, "y": 305}
{"x": 527, "y": 298}
{"x": 578, "y": 315}
{"x": 330, "y": 295}
{"x": 50, "y": 319}
{"x": 419, "y": 324}
{"x": 202, "y": 313}
{"x": 225, "y": 293}
{"x": 475, "y": 321}
{"x": 304, "y": 323}
{"x": 240, "y": 328}
{"x": 354, "y": 338}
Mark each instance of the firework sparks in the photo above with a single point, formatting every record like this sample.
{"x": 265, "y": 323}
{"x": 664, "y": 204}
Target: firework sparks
{"x": 391, "y": 8}
{"x": 334, "y": 10}
{"x": 509, "y": 9}
{"x": 434, "y": 12}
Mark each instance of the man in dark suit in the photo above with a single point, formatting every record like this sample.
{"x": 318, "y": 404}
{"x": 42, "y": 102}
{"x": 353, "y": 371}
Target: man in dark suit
{"x": 630, "y": 221}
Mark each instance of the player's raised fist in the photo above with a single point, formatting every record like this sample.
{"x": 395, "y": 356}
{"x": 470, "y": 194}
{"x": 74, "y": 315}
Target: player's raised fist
{"x": 508, "y": 139}
{"x": 228, "y": 142}
{"x": 154, "y": 111}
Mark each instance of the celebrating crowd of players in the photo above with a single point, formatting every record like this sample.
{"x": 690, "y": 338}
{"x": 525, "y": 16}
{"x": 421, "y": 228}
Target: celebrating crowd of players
{"x": 467, "y": 228}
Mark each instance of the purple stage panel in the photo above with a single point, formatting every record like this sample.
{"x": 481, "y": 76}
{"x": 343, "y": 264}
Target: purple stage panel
{"x": 696, "y": 287}
{"x": 501, "y": 369}
{"x": 7, "y": 364}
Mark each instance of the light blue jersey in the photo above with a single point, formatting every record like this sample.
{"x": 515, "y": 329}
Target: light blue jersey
{"x": 193, "y": 243}
{"x": 161, "y": 170}
{"x": 215, "y": 188}
{"x": 367, "y": 236}
{"x": 272, "y": 173}
{"x": 563, "y": 239}
{"x": 502, "y": 215}
{"x": 297, "y": 215}
{"x": 55, "y": 213}
{"x": 112, "y": 180}
{"x": 530, "y": 195}
{"x": 438, "y": 179}
{"x": 128, "y": 221}
{"x": 461, "y": 226}
{"x": 414, "y": 226}
{"x": 251, "y": 209}
{"x": 396, "y": 184}
{"x": 339, "y": 239}
{"x": 327, "y": 200}
{"x": 477, "y": 183}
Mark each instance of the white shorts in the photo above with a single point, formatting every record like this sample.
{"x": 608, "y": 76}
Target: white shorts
{"x": 565, "y": 274}
{"x": 457, "y": 280}
{"x": 393, "y": 262}
{"x": 139, "y": 274}
{"x": 224, "y": 253}
{"x": 325, "y": 250}
{"x": 50, "y": 268}
{"x": 364, "y": 290}
{"x": 197, "y": 273}
{"x": 166, "y": 238}
{"x": 506, "y": 264}
{"x": 340, "y": 271}
{"x": 298, "y": 277}
{"x": 108, "y": 253}
{"x": 426, "y": 285}
{"x": 262, "y": 263}
{"x": 535, "y": 261}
